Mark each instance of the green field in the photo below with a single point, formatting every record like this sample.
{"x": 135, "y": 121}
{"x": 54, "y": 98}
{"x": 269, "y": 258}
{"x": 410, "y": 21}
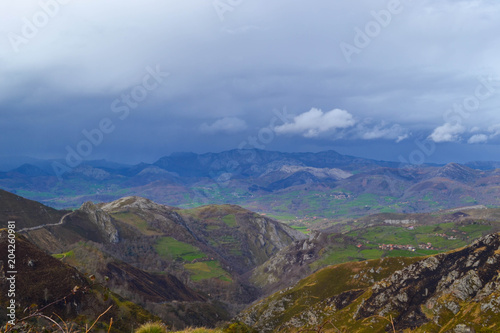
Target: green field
{"x": 304, "y": 230}
{"x": 171, "y": 248}
{"x": 337, "y": 255}
{"x": 207, "y": 270}
{"x": 443, "y": 237}
{"x": 287, "y": 207}
{"x": 230, "y": 220}
{"x": 68, "y": 254}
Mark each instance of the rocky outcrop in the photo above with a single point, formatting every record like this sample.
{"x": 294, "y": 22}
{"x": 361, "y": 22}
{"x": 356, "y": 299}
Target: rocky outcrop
{"x": 458, "y": 291}
{"x": 292, "y": 261}
{"x": 464, "y": 275}
{"x": 131, "y": 202}
{"x": 265, "y": 237}
{"x": 102, "y": 220}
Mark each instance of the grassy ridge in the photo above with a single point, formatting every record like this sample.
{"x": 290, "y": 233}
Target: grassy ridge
{"x": 230, "y": 220}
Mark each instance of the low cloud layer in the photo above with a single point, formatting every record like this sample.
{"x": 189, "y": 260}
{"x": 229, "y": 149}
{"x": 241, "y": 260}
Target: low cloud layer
{"x": 225, "y": 125}
{"x": 478, "y": 138}
{"x": 369, "y": 131}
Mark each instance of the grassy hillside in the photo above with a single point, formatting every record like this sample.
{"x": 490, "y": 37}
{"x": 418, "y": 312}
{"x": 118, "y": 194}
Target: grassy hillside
{"x": 348, "y": 280}
{"x": 449, "y": 292}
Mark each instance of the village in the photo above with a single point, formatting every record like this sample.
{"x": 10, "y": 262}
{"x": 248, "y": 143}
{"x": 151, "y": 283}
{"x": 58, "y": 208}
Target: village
{"x": 422, "y": 246}
{"x": 390, "y": 247}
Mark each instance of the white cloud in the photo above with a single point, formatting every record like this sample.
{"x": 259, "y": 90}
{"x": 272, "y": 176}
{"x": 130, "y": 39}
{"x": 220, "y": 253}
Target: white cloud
{"x": 492, "y": 132}
{"x": 314, "y": 122}
{"x": 225, "y": 125}
{"x": 478, "y": 138}
{"x": 382, "y": 131}
{"x": 447, "y": 133}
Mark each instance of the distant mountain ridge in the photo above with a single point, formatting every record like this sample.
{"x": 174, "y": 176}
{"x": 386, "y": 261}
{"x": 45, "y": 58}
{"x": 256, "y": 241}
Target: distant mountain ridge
{"x": 198, "y": 163}
{"x": 289, "y": 185}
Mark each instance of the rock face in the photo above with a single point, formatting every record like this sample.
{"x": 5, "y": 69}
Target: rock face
{"x": 131, "y": 202}
{"x": 458, "y": 291}
{"x": 266, "y": 237}
{"x": 102, "y": 220}
{"x": 292, "y": 261}
{"x": 470, "y": 274}
{"x": 457, "y": 172}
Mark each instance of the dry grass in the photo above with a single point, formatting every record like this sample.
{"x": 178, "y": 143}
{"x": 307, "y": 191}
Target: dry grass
{"x": 199, "y": 330}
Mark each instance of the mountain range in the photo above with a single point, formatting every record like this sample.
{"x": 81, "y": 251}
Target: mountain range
{"x": 300, "y": 188}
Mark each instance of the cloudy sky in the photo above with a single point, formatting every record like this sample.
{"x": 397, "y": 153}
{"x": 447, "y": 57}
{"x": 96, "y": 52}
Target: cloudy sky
{"x": 131, "y": 81}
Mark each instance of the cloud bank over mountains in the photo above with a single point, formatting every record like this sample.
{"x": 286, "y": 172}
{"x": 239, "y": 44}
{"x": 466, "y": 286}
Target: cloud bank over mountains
{"x": 64, "y": 63}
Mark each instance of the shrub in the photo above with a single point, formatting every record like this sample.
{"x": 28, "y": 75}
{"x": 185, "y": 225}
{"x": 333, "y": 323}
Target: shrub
{"x": 152, "y": 328}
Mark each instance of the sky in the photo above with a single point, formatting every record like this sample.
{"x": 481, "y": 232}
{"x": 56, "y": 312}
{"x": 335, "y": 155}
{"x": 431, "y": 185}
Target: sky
{"x": 130, "y": 81}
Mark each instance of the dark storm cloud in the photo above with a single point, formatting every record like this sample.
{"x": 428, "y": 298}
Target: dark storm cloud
{"x": 230, "y": 69}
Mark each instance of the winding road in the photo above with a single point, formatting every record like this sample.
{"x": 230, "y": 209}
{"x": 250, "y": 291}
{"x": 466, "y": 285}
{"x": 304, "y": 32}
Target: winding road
{"x": 61, "y": 221}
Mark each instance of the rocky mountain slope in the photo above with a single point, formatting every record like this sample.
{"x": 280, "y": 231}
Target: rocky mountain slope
{"x": 458, "y": 291}
{"x": 187, "y": 266}
{"x": 296, "y": 261}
